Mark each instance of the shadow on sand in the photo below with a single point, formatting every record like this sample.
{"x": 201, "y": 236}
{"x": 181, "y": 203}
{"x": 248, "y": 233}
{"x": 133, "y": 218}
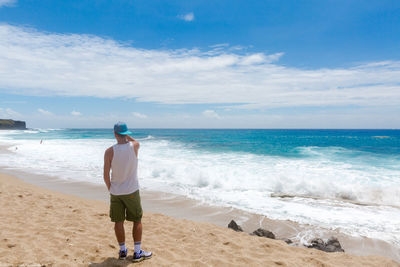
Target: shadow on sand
{"x": 113, "y": 262}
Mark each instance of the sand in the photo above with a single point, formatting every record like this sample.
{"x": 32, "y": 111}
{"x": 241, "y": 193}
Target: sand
{"x": 43, "y": 227}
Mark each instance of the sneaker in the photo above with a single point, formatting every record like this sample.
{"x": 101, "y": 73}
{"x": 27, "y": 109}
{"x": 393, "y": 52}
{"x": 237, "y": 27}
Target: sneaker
{"x": 142, "y": 255}
{"x": 123, "y": 254}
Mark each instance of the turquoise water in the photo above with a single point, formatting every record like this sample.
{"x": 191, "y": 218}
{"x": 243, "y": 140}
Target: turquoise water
{"x": 268, "y": 142}
{"x": 347, "y": 180}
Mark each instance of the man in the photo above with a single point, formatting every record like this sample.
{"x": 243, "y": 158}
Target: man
{"x": 122, "y": 159}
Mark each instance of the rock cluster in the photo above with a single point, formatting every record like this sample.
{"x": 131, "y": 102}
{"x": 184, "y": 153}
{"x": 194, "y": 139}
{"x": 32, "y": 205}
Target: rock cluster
{"x": 259, "y": 232}
{"x": 332, "y": 245}
{"x": 263, "y": 233}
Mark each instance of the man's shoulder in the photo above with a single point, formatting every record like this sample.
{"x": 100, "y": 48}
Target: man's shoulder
{"x": 135, "y": 143}
{"x": 109, "y": 150}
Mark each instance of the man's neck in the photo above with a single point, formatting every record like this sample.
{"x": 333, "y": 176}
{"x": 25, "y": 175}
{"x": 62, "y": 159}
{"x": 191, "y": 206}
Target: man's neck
{"x": 122, "y": 141}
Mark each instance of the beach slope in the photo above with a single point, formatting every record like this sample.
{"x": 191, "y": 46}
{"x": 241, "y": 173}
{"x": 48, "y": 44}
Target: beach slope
{"x": 43, "y": 227}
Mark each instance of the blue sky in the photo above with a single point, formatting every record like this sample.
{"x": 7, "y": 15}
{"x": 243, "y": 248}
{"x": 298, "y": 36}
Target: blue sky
{"x": 201, "y": 64}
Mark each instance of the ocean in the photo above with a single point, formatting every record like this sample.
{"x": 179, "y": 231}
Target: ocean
{"x": 344, "y": 180}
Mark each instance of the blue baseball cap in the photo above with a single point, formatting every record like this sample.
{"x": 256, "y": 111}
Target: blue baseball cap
{"x": 121, "y": 128}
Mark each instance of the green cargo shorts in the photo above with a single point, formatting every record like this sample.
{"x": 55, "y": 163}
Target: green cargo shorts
{"x": 126, "y": 207}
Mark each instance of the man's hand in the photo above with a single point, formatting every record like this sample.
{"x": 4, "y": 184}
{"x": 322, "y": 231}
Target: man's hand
{"x": 136, "y": 144}
{"x": 108, "y": 156}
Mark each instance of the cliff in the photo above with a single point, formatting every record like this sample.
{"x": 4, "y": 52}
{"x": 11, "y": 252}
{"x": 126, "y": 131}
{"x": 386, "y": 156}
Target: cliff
{"x": 12, "y": 125}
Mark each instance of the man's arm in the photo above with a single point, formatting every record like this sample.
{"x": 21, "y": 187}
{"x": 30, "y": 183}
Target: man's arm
{"x": 136, "y": 144}
{"x": 108, "y": 155}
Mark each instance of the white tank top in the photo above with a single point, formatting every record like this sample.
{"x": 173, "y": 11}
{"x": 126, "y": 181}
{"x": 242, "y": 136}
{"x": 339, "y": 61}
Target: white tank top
{"x": 124, "y": 164}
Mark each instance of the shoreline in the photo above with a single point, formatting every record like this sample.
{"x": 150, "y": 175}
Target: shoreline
{"x": 70, "y": 230}
{"x": 180, "y": 207}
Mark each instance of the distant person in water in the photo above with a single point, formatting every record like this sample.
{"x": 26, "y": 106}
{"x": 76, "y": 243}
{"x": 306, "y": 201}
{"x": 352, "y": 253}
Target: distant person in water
{"x": 122, "y": 160}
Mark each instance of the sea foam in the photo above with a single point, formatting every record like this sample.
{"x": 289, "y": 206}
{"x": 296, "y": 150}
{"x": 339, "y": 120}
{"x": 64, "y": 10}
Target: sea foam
{"x": 332, "y": 187}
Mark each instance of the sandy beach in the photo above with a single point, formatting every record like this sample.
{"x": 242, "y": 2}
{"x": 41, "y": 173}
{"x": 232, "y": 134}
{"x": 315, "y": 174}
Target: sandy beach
{"x": 256, "y": 133}
{"x": 44, "y": 227}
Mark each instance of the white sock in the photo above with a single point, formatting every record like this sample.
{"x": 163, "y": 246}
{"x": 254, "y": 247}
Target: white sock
{"x": 122, "y": 246}
{"x": 137, "y": 247}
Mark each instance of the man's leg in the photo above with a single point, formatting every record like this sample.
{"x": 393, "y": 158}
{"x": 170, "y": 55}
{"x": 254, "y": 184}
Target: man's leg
{"x": 139, "y": 254}
{"x": 137, "y": 232}
{"x": 119, "y": 232}
{"x": 137, "y": 235}
{"x": 117, "y": 215}
{"x": 134, "y": 213}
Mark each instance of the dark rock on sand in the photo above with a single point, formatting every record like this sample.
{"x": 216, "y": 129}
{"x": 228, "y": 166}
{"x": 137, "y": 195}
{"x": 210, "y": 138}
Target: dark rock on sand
{"x": 332, "y": 245}
{"x": 264, "y": 233}
{"x": 317, "y": 243}
{"x": 287, "y": 240}
{"x": 234, "y": 226}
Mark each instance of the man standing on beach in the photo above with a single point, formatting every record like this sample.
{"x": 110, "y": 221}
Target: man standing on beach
{"x": 122, "y": 159}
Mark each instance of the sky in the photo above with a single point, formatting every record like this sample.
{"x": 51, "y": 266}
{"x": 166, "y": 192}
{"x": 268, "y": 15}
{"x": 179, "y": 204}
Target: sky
{"x": 201, "y": 64}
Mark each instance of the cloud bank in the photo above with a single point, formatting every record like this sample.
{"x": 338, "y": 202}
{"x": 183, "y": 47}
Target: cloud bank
{"x": 48, "y": 64}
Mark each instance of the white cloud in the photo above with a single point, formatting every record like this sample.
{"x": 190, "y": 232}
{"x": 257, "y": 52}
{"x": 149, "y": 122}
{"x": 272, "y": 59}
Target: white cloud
{"x": 75, "y": 113}
{"x": 187, "y": 17}
{"x": 8, "y": 113}
{"x": 9, "y": 3}
{"x": 37, "y": 63}
{"x": 45, "y": 112}
{"x": 219, "y": 45}
{"x": 139, "y": 115}
{"x": 211, "y": 114}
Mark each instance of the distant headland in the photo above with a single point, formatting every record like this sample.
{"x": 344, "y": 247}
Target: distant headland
{"x": 12, "y": 125}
